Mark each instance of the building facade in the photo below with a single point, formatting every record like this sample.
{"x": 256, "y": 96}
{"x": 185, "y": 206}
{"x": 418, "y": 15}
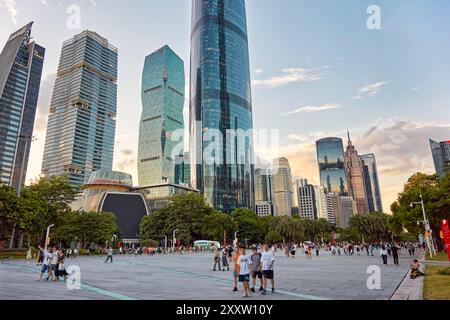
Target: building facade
{"x": 21, "y": 63}
{"x": 354, "y": 167}
{"x": 162, "y": 125}
{"x": 221, "y": 141}
{"x": 372, "y": 183}
{"x": 283, "y": 193}
{"x": 330, "y": 156}
{"x": 441, "y": 157}
{"x": 264, "y": 208}
{"x": 306, "y": 200}
{"x": 321, "y": 203}
{"x": 82, "y": 120}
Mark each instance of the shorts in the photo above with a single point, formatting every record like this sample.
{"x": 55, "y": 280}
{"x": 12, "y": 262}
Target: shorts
{"x": 244, "y": 278}
{"x": 53, "y": 267}
{"x": 44, "y": 268}
{"x": 257, "y": 274}
{"x": 268, "y": 274}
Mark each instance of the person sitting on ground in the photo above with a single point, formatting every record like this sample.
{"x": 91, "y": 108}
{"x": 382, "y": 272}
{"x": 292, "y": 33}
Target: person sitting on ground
{"x": 416, "y": 269}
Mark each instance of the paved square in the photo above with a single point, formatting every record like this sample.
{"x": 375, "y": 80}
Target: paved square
{"x": 190, "y": 277}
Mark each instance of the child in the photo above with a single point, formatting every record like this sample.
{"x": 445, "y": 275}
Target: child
{"x": 244, "y": 269}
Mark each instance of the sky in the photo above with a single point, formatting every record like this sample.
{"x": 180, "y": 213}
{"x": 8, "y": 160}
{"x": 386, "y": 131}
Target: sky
{"x": 317, "y": 70}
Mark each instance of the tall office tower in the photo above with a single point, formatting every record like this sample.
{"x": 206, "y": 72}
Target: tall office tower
{"x": 347, "y": 207}
{"x": 372, "y": 183}
{"x": 82, "y": 120}
{"x": 333, "y": 207}
{"x": 321, "y": 202}
{"x": 441, "y": 157}
{"x": 21, "y": 64}
{"x": 330, "y": 156}
{"x": 162, "y": 117}
{"x": 354, "y": 167}
{"x": 264, "y": 195}
{"x": 306, "y": 200}
{"x": 282, "y": 180}
{"x": 220, "y": 104}
{"x": 183, "y": 170}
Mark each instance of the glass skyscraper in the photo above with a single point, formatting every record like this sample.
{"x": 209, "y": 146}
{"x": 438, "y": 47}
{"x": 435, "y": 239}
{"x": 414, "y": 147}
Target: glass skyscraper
{"x": 330, "y": 155}
{"x": 283, "y": 193}
{"x": 21, "y": 63}
{"x": 372, "y": 183}
{"x": 163, "y": 83}
{"x": 441, "y": 157}
{"x": 220, "y": 102}
{"x": 82, "y": 120}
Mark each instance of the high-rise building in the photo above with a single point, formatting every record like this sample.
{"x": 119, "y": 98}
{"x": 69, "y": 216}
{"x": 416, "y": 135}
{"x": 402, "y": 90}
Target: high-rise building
{"x": 220, "y": 104}
{"x": 321, "y": 203}
{"x": 354, "y": 167}
{"x": 264, "y": 194}
{"x": 330, "y": 156}
{"x": 347, "y": 208}
{"x": 163, "y": 83}
{"x": 282, "y": 180}
{"x": 306, "y": 200}
{"x": 372, "y": 183}
{"x": 82, "y": 121}
{"x": 183, "y": 169}
{"x": 441, "y": 157}
{"x": 21, "y": 63}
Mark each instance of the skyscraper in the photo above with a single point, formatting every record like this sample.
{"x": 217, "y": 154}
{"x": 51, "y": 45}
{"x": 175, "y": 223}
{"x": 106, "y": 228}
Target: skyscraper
{"x": 306, "y": 200}
{"x": 282, "y": 179}
{"x": 354, "y": 167}
{"x": 372, "y": 183}
{"x": 162, "y": 117}
{"x": 82, "y": 120}
{"x": 264, "y": 192}
{"x": 330, "y": 155}
{"x": 21, "y": 63}
{"x": 321, "y": 203}
{"x": 441, "y": 157}
{"x": 220, "y": 104}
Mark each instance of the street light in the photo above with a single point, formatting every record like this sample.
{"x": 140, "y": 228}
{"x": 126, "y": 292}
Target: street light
{"x": 173, "y": 243}
{"x": 46, "y": 237}
{"x": 165, "y": 242}
{"x": 426, "y": 224}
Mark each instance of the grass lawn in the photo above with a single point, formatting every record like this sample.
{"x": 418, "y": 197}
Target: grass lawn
{"x": 436, "y": 286}
{"x": 441, "y": 256}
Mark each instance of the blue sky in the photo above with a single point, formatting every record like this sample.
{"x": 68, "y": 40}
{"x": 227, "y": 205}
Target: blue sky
{"x": 316, "y": 68}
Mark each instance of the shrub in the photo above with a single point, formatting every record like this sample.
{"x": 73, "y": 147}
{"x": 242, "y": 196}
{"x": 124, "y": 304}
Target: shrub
{"x": 444, "y": 272}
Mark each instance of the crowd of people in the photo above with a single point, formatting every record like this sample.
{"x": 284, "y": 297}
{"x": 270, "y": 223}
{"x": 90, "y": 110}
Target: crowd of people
{"x": 52, "y": 262}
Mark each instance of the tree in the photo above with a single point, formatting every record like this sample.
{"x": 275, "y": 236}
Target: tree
{"x": 273, "y": 237}
{"x": 215, "y": 225}
{"x": 289, "y": 228}
{"x": 8, "y": 202}
{"x": 249, "y": 225}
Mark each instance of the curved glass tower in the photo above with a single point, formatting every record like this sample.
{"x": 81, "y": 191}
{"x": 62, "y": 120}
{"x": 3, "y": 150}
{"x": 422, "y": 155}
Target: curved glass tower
{"x": 220, "y": 104}
{"x": 330, "y": 155}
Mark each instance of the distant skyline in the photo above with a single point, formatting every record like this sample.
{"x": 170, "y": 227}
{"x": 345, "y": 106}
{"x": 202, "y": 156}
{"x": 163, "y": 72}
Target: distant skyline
{"x": 316, "y": 71}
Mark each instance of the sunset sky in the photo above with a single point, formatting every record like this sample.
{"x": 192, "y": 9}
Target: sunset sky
{"x": 316, "y": 69}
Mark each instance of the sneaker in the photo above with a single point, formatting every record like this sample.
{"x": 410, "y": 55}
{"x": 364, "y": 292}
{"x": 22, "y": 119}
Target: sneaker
{"x": 261, "y": 289}
{"x": 235, "y": 289}
{"x": 245, "y": 296}
{"x": 273, "y": 290}
{"x": 253, "y": 289}
{"x": 264, "y": 292}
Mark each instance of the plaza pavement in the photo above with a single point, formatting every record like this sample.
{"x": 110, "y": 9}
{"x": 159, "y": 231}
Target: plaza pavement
{"x": 190, "y": 277}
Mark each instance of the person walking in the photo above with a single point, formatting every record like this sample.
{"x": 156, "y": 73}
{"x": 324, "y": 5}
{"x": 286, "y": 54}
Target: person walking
{"x": 244, "y": 270}
{"x": 216, "y": 258}
{"x": 110, "y": 255}
{"x": 225, "y": 263}
{"x": 267, "y": 266}
{"x": 256, "y": 269}
{"x": 317, "y": 247}
{"x": 236, "y": 256}
{"x": 53, "y": 264}
{"x": 384, "y": 254}
{"x": 395, "y": 254}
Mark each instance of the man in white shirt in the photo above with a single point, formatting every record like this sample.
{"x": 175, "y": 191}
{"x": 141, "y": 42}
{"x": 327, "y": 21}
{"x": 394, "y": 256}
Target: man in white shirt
{"x": 267, "y": 263}
{"x": 46, "y": 261}
{"x": 244, "y": 269}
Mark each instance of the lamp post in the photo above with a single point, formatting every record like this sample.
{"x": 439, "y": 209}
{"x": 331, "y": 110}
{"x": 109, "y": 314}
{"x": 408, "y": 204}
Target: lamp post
{"x": 46, "y": 237}
{"x": 173, "y": 238}
{"x": 165, "y": 242}
{"x": 426, "y": 224}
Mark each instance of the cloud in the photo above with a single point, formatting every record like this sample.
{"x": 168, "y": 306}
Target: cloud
{"x": 370, "y": 90}
{"x": 313, "y": 109}
{"x": 292, "y": 75}
{"x": 11, "y": 6}
{"x": 258, "y": 71}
